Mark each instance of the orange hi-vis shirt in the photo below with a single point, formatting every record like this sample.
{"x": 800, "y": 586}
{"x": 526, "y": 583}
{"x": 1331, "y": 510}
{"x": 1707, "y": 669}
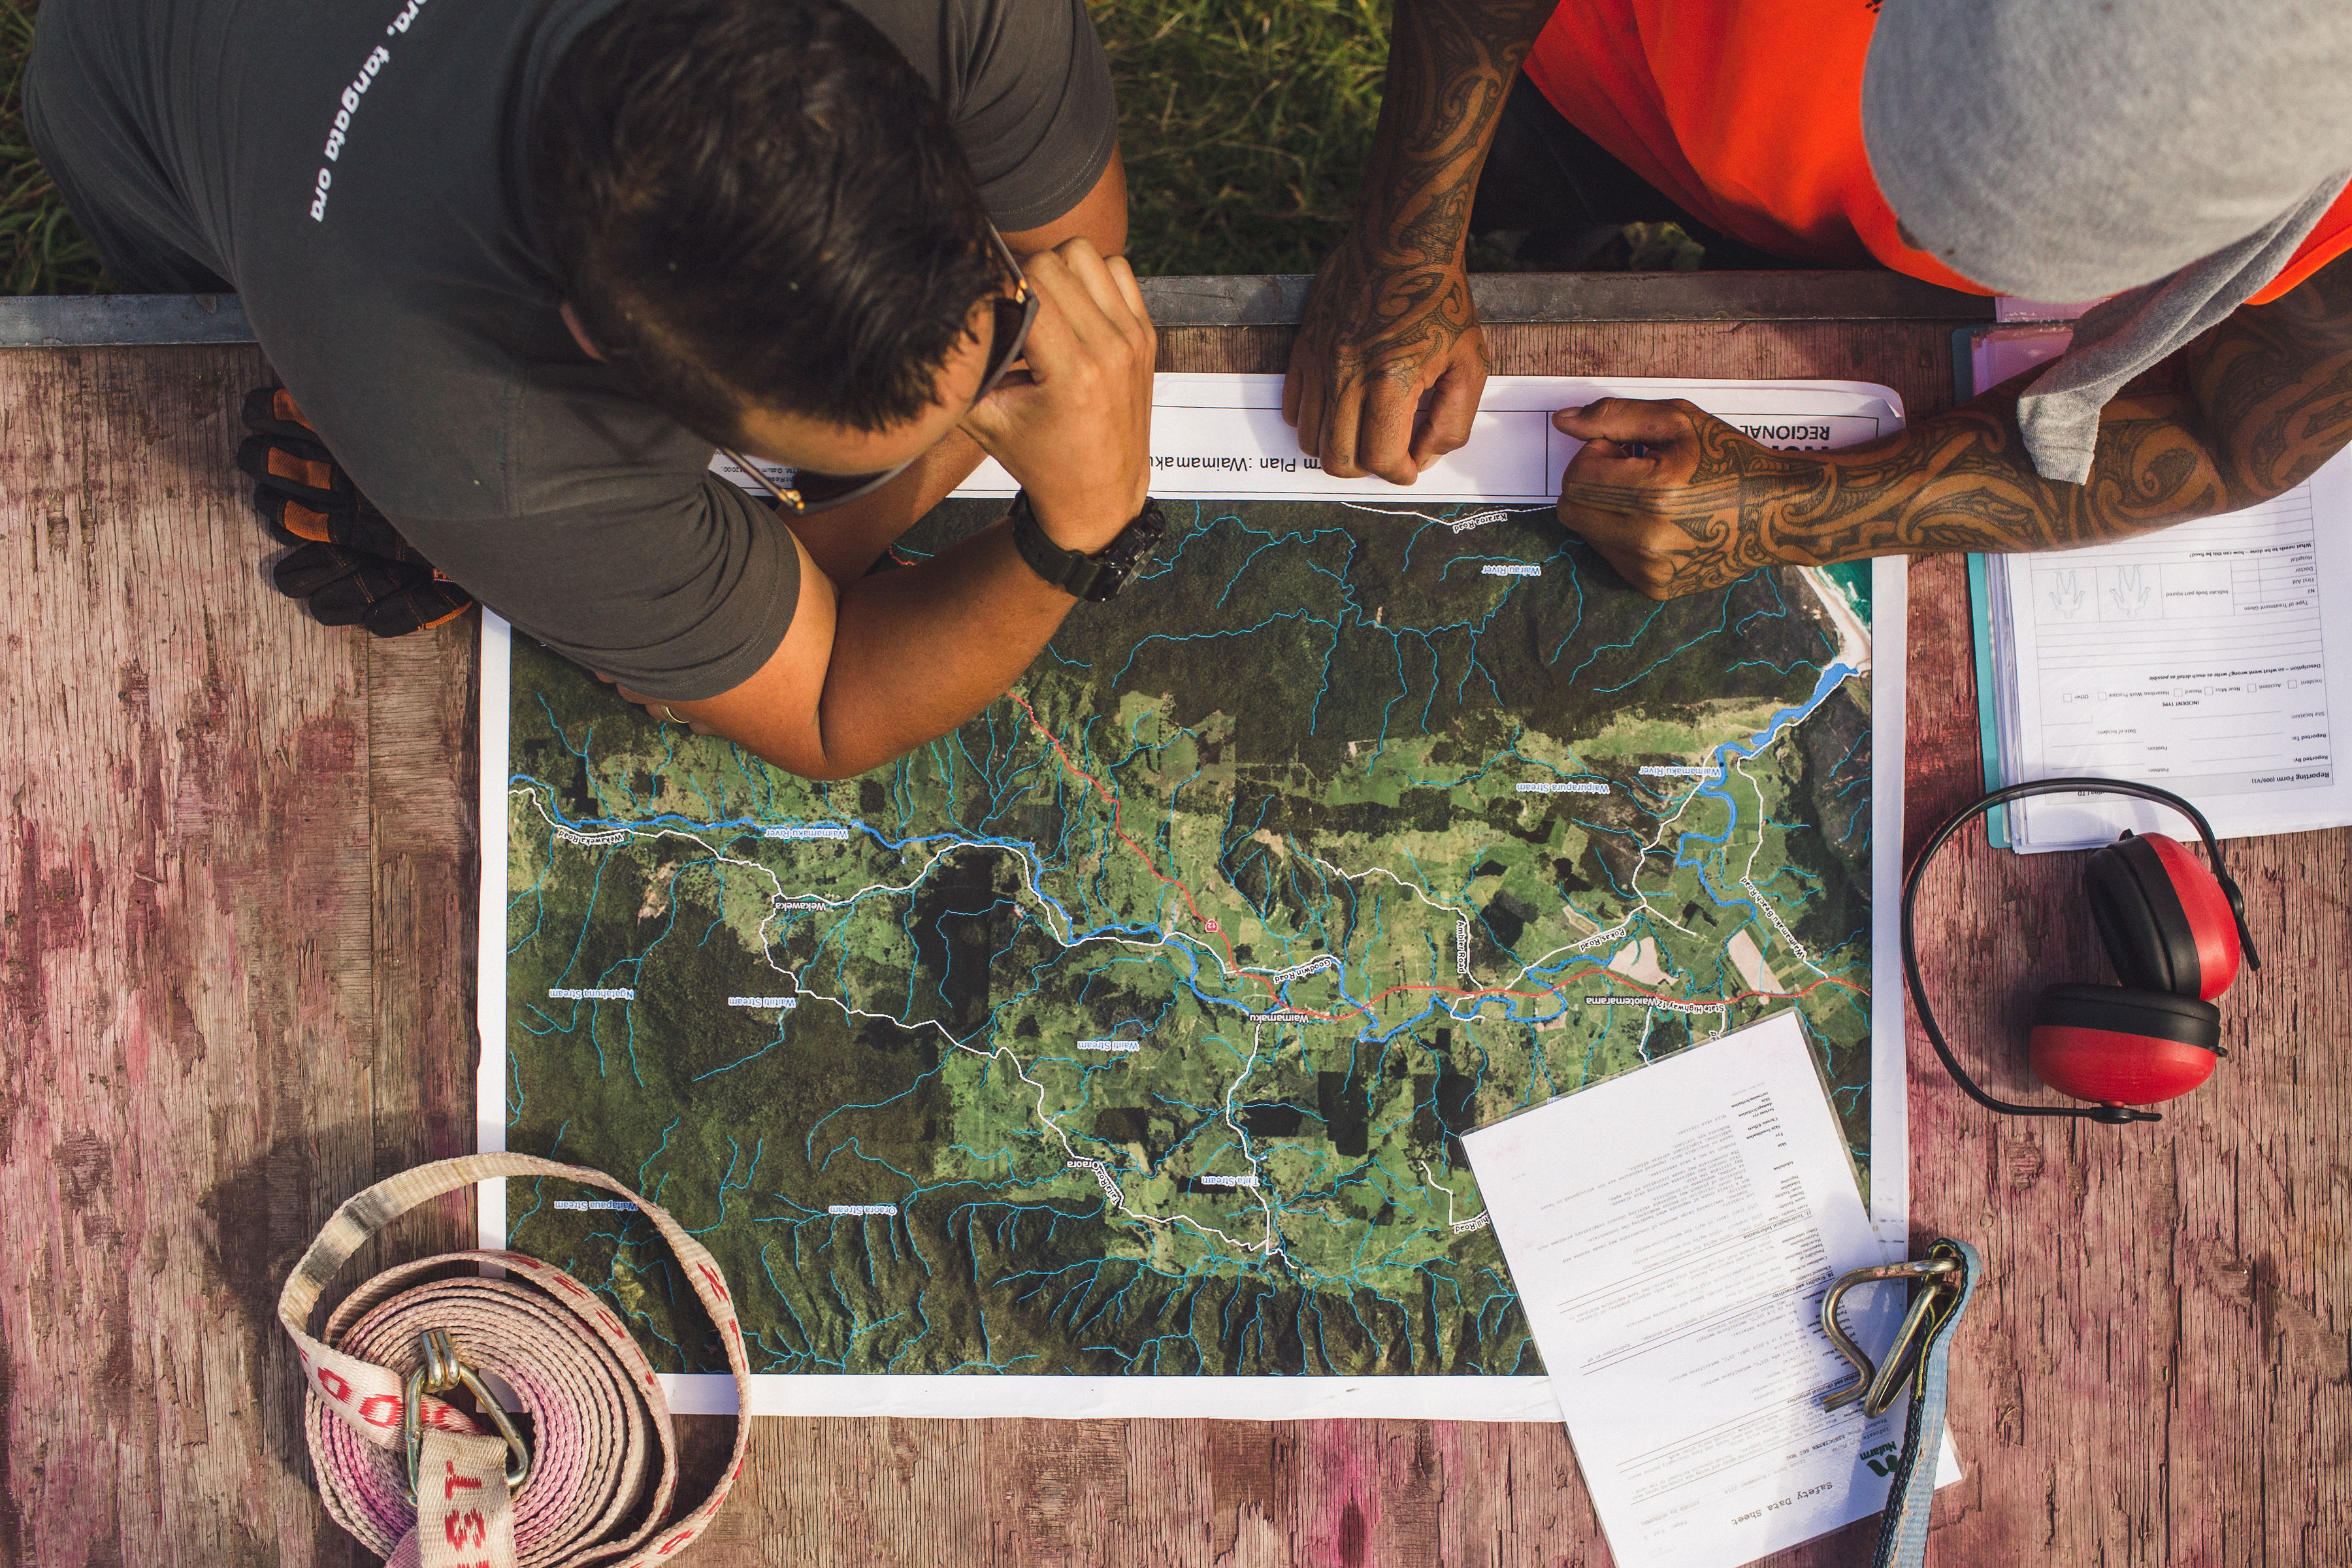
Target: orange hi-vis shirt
{"x": 1748, "y": 114}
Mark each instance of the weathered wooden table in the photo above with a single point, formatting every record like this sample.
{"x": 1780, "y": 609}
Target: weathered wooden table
{"x": 237, "y": 948}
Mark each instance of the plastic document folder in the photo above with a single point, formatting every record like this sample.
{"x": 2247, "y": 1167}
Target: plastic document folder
{"x": 2208, "y": 658}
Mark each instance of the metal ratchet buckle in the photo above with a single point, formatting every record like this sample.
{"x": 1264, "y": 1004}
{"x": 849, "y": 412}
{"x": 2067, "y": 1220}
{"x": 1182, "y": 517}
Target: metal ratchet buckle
{"x": 1939, "y": 1275}
{"x": 440, "y": 1372}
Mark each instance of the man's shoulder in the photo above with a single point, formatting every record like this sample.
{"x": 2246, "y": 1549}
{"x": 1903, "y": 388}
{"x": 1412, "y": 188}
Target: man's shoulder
{"x": 975, "y": 52}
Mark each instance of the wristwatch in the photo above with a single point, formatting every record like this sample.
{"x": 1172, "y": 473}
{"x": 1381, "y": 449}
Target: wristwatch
{"x": 1095, "y": 577}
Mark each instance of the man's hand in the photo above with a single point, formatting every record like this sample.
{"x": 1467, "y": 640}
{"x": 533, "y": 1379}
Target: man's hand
{"x": 873, "y": 667}
{"x": 1387, "y": 367}
{"x": 1675, "y": 498}
{"x": 1378, "y": 340}
{"x": 655, "y": 708}
{"x": 1075, "y": 427}
{"x": 1678, "y": 501}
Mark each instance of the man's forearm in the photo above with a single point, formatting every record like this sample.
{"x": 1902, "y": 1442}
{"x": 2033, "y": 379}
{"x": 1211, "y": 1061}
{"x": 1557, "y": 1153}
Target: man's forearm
{"x": 848, "y": 540}
{"x": 1390, "y": 318}
{"x": 2246, "y": 413}
{"x": 917, "y": 651}
{"x": 1679, "y": 502}
{"x": 1450, "y": 67}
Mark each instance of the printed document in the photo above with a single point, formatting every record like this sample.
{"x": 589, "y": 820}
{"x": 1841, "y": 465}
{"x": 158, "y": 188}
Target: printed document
{"x": 2209, "y": 659}
{"x": 1671, "y": 1234}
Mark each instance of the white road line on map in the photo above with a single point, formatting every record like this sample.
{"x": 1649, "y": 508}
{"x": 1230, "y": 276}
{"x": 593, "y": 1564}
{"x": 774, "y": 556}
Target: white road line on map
{"x": 870, "y": 890}
{"x": 1597, "y": 938}
{"x": 1665, "y": 822}
{"x": 1347, "y": 876}
{"x": 1103, "y": 1178}
{"x": 1526, "y": 971}
{"x": 1458, "y": 525}
{"x": 1006, "y": 1052}
{"x": 1460, "y": 917}
{"x": 1740, "y": 767}
{"x": 1747, "y": 880}
{"x": 1478, "y": 1221}
{"x": 1069, "y": 1150}
{"x": 1787, "y": 936}
{"x": 1656, "y": 842}
{"x": 1476, "y": 519}
{"x": 1430, "y": 1177}
{"x": 1272, "y": 1246}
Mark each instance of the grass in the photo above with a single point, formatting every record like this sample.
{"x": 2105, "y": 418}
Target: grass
{"x": 1245, "y": 123}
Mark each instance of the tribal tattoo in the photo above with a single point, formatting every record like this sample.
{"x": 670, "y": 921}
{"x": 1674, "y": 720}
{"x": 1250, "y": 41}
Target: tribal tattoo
{"x": 2245, "y": 413}
{"x": 1394, "y": 295}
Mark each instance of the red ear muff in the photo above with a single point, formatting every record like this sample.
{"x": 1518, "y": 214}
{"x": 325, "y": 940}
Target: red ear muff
{"x": 2176, "y": 932}
{"x": 2162, "y": 917}
{"x": 2212, "y": 924}
{"x": 2120, "y": 1046}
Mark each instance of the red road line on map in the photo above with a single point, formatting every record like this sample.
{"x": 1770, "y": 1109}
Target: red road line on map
{"x": 1698, "y": 1002}
{"x": 1215, "y": 928}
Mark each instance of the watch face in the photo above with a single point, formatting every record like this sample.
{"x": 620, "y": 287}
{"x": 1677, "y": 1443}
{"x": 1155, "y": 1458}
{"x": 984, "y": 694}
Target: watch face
{"x": 1122, "y": 557}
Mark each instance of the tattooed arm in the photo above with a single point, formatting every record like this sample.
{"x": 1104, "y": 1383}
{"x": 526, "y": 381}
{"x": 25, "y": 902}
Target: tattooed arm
{"x": 1390, "y": 316}
{"x": 2246, "y": 412}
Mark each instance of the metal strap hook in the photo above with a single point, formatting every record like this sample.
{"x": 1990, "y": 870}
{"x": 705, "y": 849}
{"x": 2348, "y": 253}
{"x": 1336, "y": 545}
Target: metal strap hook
{"x": 1939, "y": 1275}
{"x": 440, "y": 1371}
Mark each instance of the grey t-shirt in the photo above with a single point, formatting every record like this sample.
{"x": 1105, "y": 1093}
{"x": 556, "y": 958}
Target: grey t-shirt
{"x": 413, "y": 316}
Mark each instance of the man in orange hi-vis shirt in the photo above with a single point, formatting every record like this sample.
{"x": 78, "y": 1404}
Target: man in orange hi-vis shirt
{"x": 2192, "y": 176}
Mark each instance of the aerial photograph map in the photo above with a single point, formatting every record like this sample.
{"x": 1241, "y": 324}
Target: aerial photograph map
{"x": 1129, "y": 1029}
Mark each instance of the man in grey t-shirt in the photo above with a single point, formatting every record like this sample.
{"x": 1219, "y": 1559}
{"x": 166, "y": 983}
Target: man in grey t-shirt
{"x": 522, "y": 263}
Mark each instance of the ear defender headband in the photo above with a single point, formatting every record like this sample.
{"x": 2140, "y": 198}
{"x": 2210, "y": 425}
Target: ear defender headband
{"x": 2175, "y": 932}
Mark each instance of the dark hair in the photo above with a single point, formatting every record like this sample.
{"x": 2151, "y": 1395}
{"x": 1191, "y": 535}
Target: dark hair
{"x": 758, "y": 203}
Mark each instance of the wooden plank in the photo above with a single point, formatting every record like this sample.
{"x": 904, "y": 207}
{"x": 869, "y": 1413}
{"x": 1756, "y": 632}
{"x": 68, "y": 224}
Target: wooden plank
{"x": 146, "y": 319}
{"x": 424, "y": 757}
{"x": 236, "y": 988}
{"x": 2155, "y": 1371}
{"x": 1551, "y": 298}
{"x": 187, "y": 989}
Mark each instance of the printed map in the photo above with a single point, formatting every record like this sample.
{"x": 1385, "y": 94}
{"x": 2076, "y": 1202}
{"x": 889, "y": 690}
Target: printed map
{"x": 1130, "y": 1029}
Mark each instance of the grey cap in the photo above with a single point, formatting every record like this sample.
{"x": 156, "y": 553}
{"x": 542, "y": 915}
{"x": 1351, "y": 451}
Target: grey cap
{"x": 2071, "y": 148}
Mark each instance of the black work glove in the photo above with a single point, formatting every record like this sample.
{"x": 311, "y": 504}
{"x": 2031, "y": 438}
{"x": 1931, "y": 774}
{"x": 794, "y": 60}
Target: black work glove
{"x": 350, "y": 566}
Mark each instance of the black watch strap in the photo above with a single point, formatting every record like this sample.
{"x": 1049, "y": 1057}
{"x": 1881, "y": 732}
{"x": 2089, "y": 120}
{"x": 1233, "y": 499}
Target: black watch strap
{"x": 1095, "y": 577}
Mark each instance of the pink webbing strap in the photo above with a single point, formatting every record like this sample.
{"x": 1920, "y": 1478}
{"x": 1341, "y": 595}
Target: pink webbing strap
{"x": 595, "y": 1495}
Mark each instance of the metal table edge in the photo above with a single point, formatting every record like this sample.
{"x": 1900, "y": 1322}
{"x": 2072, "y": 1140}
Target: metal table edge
{"x": 130, "y": 321}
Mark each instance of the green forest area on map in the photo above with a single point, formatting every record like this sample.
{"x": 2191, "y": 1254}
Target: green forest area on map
{"x": 1131, "y": 1029}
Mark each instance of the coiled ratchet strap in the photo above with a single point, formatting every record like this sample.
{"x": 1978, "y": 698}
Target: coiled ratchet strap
{"x": 415, "y": 1478}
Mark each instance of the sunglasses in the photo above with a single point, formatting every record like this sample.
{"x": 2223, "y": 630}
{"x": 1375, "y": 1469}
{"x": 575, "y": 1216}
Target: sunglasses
{"x": 813, "y": 493}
